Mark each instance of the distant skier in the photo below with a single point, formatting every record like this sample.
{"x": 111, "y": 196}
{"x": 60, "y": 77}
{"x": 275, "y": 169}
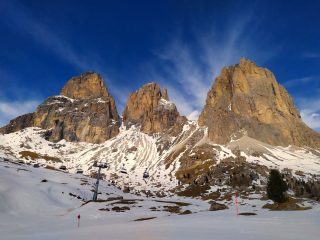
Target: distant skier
{"x": 78, "y": 220}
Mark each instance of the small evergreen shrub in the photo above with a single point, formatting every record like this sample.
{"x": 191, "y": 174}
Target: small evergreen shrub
{"x": 276, "y": 187}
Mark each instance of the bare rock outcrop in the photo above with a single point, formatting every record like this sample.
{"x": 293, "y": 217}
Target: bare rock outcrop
{"x": 150, "y": 108}
{"x": 87, "y": 86}
{"x": 84, "y": 111}
{"x": 247, "y": 100}
{"x": 18, "y": 123}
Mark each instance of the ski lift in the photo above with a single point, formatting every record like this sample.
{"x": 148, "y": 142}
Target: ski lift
{"x": 100, "y": 165}
{"x": 123, "y": 170}
{"x": 104, "y": 165}
{"x": 145, "y": 174}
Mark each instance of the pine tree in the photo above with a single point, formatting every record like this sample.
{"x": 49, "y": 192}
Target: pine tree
{"x": 276, "y": 187}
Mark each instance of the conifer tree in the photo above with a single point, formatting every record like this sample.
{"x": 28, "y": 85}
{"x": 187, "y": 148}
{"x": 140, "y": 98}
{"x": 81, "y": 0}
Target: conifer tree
{"x": 276, "y": 187}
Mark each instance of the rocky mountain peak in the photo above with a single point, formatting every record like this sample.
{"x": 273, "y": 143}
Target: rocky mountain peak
{"x": 247, "y": 100}
{"x": 83, "y": 112}
{"x": 247, "y": 64}
{"x": 165, "y": 94}
{"x": 150, "y": 108}
{"x": 88, "y": 85}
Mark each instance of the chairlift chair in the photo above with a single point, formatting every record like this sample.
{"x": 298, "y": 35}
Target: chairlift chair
{"x": 145, "y": 174}
{"x": 123, "y": 170}
{"x": 104, "y": 165}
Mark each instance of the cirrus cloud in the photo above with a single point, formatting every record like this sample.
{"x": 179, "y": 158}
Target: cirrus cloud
{"x": 188, "y": 69}
{"x": 12, "y": 109}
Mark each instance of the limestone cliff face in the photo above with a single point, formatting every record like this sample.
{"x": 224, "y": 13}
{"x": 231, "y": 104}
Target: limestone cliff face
{"x": 84, "y": 111}
{"x": 151, "y": 109}
{"x": 87, "y": 86}
{"x": 247, "y": 100}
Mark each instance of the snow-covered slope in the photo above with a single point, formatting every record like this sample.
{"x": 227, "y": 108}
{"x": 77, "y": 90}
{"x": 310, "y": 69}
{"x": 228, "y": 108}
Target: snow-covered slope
{"x": 42, "y": 204}
{"x": 291, "y": 158}
{"x": 136, "y": 152}
{"x": 131, "y": 150}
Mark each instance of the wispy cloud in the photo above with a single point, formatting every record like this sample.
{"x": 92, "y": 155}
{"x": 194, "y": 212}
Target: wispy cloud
{"x": 310, "y": 111}
{"x": 59, "y": 45}
{"x": 299, "y": 81}
{"x": 191, "y": 68}
{"x": 25, "y": 100}
{"x": 121, "y": 94}
{"x": 183, "y": 104}
{"x": 20, "y": 17}
{"x": 311, "y": 55}
{"x": 181, "y": 67}
{"x": 10, "y": 110}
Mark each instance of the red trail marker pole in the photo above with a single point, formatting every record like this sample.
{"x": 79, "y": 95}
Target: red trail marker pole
{"x": 78, "y": 220}
{"x": 236, "y": 199}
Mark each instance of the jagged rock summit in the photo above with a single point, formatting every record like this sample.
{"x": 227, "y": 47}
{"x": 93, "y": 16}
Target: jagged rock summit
{"x": 150, "y": 109}
{"x": 87, "y": 86}
{"x": 84, "y": 111}
{"x": 245, "y": 105}
{"x": 247, "y": 100}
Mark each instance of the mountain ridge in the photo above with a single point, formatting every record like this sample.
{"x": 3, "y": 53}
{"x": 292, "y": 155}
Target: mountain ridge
{"x": 241, "y": 134}
{"x": 244, "y": 100}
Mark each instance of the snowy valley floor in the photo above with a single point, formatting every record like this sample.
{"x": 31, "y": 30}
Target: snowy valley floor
{"x": 38, "y": 203}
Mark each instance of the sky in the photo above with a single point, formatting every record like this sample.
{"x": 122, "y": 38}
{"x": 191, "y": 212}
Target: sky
{"x": 182, "y": 45}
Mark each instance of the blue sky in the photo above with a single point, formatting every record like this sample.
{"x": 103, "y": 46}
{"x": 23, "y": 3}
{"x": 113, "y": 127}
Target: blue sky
{"x": 180, "y": 44}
